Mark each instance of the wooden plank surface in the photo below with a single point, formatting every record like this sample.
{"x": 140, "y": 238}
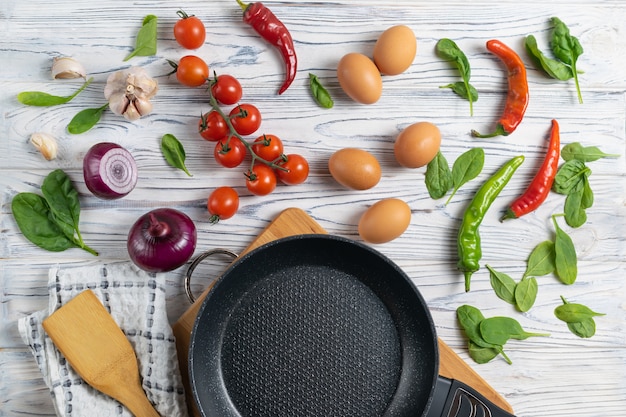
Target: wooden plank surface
{"x": 557, "y": 376}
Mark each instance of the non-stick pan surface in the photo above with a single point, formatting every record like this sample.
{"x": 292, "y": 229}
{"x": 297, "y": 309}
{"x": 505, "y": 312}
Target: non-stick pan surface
{"x": 313, "y": 325}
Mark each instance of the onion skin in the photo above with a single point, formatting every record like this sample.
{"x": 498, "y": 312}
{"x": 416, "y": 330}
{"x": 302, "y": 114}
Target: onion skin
{"x": 92, "y": 166}
{"x": 162, "y": 240}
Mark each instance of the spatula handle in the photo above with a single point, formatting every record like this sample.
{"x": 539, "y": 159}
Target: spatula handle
{"x": 138, "y": 404}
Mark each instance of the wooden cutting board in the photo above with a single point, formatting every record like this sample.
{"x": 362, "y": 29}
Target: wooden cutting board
{"x": 294, "y": 221}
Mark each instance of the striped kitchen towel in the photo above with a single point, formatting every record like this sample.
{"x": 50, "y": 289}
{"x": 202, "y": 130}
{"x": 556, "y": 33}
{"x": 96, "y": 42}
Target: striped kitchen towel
{"x": 136, "y": 301}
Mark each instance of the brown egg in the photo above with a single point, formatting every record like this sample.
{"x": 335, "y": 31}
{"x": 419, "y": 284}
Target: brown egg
{"x": 385, "y": 221}
{"x": 354, "y": 168}
{"x": 417, "y": 144}
{"x": 359, "y": 78}
{"x": 395, "y": 50}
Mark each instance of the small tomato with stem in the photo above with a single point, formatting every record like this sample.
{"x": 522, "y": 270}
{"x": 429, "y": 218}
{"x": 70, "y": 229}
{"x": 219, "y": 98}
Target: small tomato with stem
{"x": 293, "y": 169}
{"x": 230, "y": 152}
{"x": 245, "y": 118}
{"x": 189, "y": 31}
{"x": 268, "y": 147}
{"x": 212, "y": 126}
{"x": 222, "y": 203}
{"x": 190, "y": 71}
{"x": 260, "y": 180}
{"x": 226, "y": 89}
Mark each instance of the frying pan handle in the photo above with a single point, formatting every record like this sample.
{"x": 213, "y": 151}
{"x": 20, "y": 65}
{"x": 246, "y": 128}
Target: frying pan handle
{"x": 196, "y": 262}
{"x": 453, "y": 398}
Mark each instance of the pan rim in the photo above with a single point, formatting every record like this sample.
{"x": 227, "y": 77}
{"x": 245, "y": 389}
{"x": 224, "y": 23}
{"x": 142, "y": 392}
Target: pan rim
{"x": 350, "y": 245}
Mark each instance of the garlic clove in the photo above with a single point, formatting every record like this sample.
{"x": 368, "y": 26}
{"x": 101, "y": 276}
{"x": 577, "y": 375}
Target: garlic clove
{"x": 66, "y": 68}
{"x": 143, "y": 106}
{"x": 118, "y": 102}
{"x": 46, "y": 144}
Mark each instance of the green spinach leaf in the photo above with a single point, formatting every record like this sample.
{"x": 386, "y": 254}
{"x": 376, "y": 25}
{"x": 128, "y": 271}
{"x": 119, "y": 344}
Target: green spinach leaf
{"x": 41, "y": 99}
{"x": 574, "y": 312}
{"x": 582, "y": 153}
{"x": 565, "y": 258}
{"x": 146, "y": 42}
{"x": 450, "y": 51}
{"x": 174, "y": 152}
{"x": 503, "y": 285}
{"x": 569, "y": 175}
{"x": 438, "y": 177}
{"x": 567, "y": 48}
{"x": 481, "y": 354}
{"x": 461, "y": 89}
{"x": 541, "y": 260}
{"x": 34, "y": 219}
{"x": 554, "y": 68}
{"x": 498, "y": 330}
{"x": 85, "y": 120}
{"x": 526, "y": 293}
{"x": 466, "y": 167}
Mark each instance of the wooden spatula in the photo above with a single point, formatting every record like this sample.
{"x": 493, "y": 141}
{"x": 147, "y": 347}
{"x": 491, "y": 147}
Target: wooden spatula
{"x": 95, "y": 346}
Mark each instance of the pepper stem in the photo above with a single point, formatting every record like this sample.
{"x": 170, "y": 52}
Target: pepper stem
{"x": 243, "y": 5}
{"x": 468, "y": 278}
{"x": 498, "y": 132}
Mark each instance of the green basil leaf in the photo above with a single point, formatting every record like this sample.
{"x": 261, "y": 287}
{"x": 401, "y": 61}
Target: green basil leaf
{"x": 174, "y": 152}
{"x": 320, "y": 94}
{"x": 34, "y": 219}
{"x": 565, "y": 258}
{"x": 502, "y": 284}
{"x": 526, "y": 293}
{"x": 567, "y": 48}
{"x": 41, "y": 99}
{"x": 574, "y": 312}
{"x": 438, "y": 177}
{"x": 585, "y": 328}
{"x": 554, "y": 68}
{"x": 569, "y": 175}
{"x": 85, "y": 120}
{"x": 146, "y": 42}
{"x": 584, "y": 154}
{"x": 481, "y": 354}
{"x": 541, "y": 260}
{"x": 466, "y": 167}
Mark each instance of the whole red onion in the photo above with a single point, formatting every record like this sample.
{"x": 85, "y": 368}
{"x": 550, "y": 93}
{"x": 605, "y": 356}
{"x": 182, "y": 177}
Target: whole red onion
{"x": 162, "y": 240}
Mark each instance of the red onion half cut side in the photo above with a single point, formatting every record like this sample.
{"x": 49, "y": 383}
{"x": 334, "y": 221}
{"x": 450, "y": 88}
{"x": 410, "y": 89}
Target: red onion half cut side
{"x": 109, "y": 170}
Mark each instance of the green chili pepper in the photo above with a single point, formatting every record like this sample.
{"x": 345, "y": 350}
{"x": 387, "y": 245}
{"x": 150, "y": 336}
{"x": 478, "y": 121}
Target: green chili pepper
{"x": 468, "y": 242}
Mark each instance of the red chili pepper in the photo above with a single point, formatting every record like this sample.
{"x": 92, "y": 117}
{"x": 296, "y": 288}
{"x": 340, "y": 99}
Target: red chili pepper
{"x": 517, "y": 97}
{"x": 266, "y": 24}
{"x": 540, "y": 187}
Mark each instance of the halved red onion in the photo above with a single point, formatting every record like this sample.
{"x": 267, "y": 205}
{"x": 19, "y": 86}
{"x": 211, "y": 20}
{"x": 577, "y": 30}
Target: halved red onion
{"x": 162, "y": 240}
{"x": 109, "y": 170}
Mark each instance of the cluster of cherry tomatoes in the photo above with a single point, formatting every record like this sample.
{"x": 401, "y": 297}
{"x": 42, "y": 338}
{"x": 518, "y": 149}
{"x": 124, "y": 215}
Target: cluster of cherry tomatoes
{"x": 268, "y": 162}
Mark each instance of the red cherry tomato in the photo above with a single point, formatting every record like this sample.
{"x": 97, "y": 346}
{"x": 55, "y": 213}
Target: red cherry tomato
{"x": 226, "y": 89}
{"x": 212, "y": 126}
{"x": 222, "y": 203}
{"x": 230, "y": 153}
{"x": 245, "y": 118}
{"x": 189, "y": 31}
{"x": 191, "y": 71}
{"x": 261, "y": 180}
{"x": 268, "y": 147}
{"x": 296, "y": 169}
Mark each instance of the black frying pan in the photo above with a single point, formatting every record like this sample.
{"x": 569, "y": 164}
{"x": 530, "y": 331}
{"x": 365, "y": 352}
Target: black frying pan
{"x": 318, "y": 325}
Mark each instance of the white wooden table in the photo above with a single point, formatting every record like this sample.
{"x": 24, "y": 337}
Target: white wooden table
{"x": 557, "y": 376}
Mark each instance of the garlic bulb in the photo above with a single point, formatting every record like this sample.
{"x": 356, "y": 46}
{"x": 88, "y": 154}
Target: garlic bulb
{"x": 46, "y": 144}
{"x": 66, "y": 67}
{"x": 129, "y": 92}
